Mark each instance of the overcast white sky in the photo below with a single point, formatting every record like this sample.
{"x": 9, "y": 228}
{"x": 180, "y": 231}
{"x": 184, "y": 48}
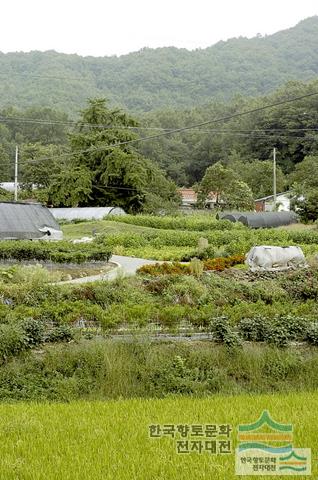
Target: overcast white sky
{"x": 115, "y": 27}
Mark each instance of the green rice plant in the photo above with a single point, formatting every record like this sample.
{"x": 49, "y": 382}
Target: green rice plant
{"x": 85, "y": 436}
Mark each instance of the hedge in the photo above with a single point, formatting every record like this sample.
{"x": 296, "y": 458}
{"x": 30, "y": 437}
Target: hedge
{"x": 57, "y": 252}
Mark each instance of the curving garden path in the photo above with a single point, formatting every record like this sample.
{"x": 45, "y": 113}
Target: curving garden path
{"x": 125, "y": 266}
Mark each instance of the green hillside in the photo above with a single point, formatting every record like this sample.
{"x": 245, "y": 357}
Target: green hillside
{"x": 157, "y": 78}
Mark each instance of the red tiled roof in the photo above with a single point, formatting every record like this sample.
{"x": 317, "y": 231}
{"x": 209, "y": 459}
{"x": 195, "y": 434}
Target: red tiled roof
{"x": 189, "y": 195}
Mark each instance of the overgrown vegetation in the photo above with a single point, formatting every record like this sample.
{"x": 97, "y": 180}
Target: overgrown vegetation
{"x": 112, "y": 369}
{"x": 193, "y": 268}
{"x": 243, "y": 314}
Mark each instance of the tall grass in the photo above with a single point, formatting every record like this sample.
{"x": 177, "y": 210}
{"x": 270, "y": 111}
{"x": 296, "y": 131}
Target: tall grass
{"x": 124, "y": 369}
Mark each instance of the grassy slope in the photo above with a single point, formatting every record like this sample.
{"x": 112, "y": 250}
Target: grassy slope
{"x": 110, "y": 440}
{"x": 78, "y": 230}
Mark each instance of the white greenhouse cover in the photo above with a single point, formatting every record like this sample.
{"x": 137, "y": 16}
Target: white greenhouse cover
{"x": 28, "y": 221}
{"x": 86, "y": 213}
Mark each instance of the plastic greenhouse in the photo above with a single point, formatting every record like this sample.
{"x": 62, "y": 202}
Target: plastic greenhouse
{"x": 86, "y": 213}
{"x": 27, "y": 221}
{"x": 261, "y": 219}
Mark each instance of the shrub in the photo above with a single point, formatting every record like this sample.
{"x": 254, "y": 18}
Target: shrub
{"x": 178, "y": 222}
{"x": 34, "y": 331}
{"x": 312, "y": 334}
{"x": 13, "y": 340}
{"x": 279, "y": 330}
{"x": 278, "y": 335}
{"x": 176, "y": 268}
{"x": 223, "y": 333}
{"x": 253, "y": 329}
{"x": 60, "y": 333}
{"x": 60, "y": 252}
{"x": 220, "y": 264}
{"x": 185, "y": 291}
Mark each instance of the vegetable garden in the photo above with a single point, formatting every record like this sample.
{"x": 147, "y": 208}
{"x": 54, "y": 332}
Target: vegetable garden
{"x": 244, "y": 315}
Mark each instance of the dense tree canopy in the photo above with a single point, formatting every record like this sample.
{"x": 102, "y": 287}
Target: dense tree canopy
{"x": 165, "y": 77}
{"x": 292, "y": 128}
{"x": 258, "y": 175}
{"x": 112, "y": 170}
{"x": 131, "y": 174}
{"x": 230, "y": 192}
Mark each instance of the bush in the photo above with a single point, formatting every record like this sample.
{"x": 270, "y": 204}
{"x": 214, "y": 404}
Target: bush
{"x": 34, "y": 331}
{"x": 13, "y": 340}
{"x": 278, "y": 335}
{"x": 220, "y": 264}
{"x": 223, "y": 333}
{"x": 178, "y": 222}
{"x": 60, "y": 252}
{"x": 279, "y": 330}
{"x": 174, "y": 268}
{"x": 253, "y": 329}
{"x": 312, "y": 334}
{"x": 61, "y": 333}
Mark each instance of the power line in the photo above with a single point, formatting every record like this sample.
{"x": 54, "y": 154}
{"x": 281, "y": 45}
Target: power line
{"x": 242, "y": 135}
{"x": 78, "y": 123}
{"x": 201, "y": 124}
{"x": 178, "y": 130}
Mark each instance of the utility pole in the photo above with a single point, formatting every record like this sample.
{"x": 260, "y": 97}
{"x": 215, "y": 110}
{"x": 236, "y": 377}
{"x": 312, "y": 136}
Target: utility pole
{"x": 16, "y": 174}
{"x": 274, "y": 178}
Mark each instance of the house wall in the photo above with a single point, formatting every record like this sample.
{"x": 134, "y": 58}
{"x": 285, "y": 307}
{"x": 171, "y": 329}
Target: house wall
{"x": 260, "y": 206}
{"x": 282, "y": 201}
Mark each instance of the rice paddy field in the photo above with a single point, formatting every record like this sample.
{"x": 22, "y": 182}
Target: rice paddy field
{"x": 110, "y": 440}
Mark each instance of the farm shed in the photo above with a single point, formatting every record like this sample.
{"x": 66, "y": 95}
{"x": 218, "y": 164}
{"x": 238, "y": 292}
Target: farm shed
{"x": 267, "y": 204}
{"x": 86, "y": 213}
{"x": 27, "y": 221}
{"x": 262, "y": 219}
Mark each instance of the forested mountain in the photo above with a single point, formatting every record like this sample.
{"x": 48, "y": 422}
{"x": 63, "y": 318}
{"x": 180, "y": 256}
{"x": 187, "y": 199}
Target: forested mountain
{"x": 165, "y": 77}
{"x": 292, "y": 128}
{"x": 242, "y": 142}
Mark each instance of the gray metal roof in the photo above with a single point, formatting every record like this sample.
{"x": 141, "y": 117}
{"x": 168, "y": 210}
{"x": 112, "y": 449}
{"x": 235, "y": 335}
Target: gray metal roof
{"x": 287, "y": 194}
{"x": 27, "y": 221}
{"x": 86, "y": 213}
